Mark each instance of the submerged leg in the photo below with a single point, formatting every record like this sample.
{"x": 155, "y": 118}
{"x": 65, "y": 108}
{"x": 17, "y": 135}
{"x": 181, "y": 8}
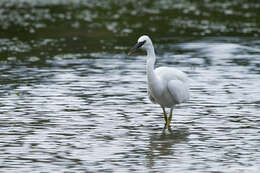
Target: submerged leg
{"x": 170, "y": 118}
{"x": 165, "y": 115}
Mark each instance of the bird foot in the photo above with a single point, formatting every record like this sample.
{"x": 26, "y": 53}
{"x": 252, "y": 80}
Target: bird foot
{"x": 168, "y": 123}
{"x": 168, "y": 126}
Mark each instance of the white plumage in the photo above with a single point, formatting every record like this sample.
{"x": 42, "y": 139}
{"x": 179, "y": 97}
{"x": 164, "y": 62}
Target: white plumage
{"x": 166, "y": 86}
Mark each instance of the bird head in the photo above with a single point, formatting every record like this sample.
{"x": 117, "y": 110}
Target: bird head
{"x": 144, "y": 42}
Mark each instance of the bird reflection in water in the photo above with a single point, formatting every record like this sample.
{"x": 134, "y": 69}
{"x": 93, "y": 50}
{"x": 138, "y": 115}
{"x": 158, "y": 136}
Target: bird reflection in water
{"x": 162, "y": 145}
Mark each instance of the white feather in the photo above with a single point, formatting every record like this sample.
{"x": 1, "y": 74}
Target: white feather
{"x": 166, "y": 86}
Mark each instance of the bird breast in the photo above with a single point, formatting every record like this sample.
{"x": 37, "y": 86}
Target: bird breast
{"x": 161, "y": 96}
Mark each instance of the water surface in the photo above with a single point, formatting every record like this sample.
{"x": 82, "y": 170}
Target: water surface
{"x": 72, "y": 100}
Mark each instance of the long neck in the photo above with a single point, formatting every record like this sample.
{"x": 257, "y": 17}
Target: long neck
{"x": 150, "y": 63}
{"x": 153, "y": 80}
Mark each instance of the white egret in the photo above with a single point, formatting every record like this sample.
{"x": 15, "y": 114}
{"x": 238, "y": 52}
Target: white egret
{"x": 166, "y": 86}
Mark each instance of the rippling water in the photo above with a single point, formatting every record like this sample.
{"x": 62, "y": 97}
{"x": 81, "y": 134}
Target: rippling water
{"x": 90, "y": 112}
{"x": 76, "y": 102}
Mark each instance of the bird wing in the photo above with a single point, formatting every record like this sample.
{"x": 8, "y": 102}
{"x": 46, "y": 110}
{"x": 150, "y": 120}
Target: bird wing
{"x": 179, "y": 90}
{"x": 170, "y": 73}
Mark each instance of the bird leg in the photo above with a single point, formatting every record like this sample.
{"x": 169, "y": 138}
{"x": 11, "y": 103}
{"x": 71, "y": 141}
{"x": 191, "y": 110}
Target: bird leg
{"x": 165, "y": 115}
{"x": 170, "y": 118}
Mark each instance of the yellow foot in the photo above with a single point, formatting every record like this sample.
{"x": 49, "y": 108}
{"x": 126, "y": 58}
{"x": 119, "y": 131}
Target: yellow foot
{"x": 167, "y": 126}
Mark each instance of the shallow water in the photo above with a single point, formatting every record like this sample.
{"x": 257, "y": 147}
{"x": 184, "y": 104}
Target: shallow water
{"x": 77, "y": 102}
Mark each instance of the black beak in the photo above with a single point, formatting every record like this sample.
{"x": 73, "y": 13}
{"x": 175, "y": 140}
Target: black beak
{"x": 138, "y": 45}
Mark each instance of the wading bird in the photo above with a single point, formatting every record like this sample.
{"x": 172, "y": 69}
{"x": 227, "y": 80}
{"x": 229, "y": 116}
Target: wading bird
{"x": 167, "y": 86}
